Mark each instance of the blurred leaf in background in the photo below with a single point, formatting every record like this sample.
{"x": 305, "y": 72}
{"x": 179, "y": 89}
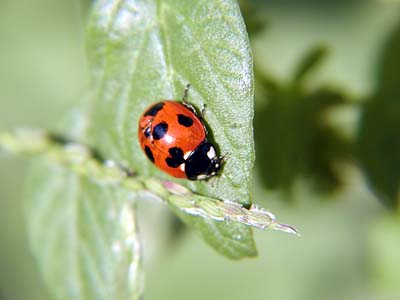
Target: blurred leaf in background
{"x": 379, "y": 141}
{"x": 293, "y": 136}
{"x": 379, "y": 150}
{"x": 42, "y": 73}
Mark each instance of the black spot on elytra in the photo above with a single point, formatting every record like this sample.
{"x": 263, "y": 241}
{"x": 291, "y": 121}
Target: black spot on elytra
{"x": 149, "y": 153}
{"x": 160, "y": 130}
{"x": 152, "y": 111}
{"x": 185, "y": 120}
{"x": 176, "y": 158}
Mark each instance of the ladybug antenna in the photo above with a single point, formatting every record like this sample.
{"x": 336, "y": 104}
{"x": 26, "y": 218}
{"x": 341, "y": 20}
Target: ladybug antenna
{"x": 224, "y": 157}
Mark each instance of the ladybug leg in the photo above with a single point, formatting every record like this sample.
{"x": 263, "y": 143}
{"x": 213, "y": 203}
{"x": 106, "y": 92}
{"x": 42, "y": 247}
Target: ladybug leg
{"x": 192, "y": 108}
{"x": 186, "y": 94}
{"x": 212, "y": 181}
{"x": 186, "y": 102}
{"x": 203, "y": 112}
{"x": 201, "y": 117}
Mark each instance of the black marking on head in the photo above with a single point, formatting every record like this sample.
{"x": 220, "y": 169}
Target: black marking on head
{"x": 152, "y": 111}
{"x": 147, "y": 131}
{"x": 160, "y": 130}
{"x": 176, "y": 158}
{"x": 199, "y": 166}
{"x": 185, "y": 120}
{"x": 149, "y": 153}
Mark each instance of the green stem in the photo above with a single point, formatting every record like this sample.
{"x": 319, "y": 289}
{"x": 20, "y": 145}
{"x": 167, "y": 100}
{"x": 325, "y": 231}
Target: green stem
{"x": 82, "y": 160}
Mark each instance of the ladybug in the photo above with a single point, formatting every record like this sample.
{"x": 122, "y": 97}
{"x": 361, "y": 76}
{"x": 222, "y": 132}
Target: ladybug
{"x": 173, "y": 136}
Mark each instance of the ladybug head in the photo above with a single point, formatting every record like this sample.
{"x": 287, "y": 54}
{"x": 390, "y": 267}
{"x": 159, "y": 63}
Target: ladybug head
{"x": 203, "y": 162}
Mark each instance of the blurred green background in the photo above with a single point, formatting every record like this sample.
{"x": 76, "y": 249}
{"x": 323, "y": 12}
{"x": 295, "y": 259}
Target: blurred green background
{"x": 327, "y": 131}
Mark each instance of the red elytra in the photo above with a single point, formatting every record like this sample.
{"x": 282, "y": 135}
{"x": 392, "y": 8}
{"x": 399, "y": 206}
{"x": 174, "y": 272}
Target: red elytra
{"x": 168, "y": 125}
{"x": 174, "y": 138}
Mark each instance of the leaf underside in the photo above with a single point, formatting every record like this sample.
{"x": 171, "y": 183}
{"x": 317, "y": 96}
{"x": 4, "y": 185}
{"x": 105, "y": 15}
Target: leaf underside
{"x": 83, "y": 236}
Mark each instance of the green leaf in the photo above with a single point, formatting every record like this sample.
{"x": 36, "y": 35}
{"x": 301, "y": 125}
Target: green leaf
{"x": 309, "y": 62}
{"x": 145, "y": 51}
{"x": 293, "y": 138}
{"x": 379, "y": 143}
{"x": 232, "y": 239}
{"x": 83, "y": 236}
{"x": 388, "y": 69}
{"x": 379, "y": 147}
